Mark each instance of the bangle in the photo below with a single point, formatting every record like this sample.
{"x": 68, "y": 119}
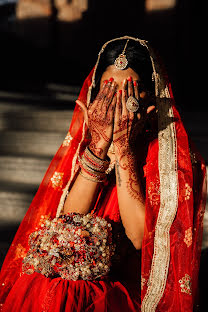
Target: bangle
{"x": 93, "y": 166}
{"x": 90, "y": 179}
{"x": 95, "y": 159}
{"x": 92, "y": 173}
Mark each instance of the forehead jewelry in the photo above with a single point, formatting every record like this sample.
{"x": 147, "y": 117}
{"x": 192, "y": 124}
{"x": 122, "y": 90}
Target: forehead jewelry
{"x": 121, "y": 61}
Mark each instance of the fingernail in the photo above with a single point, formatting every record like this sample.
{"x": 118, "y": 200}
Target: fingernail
{"x": 115, "y": 94}
{"x": 120, "y": 91}
{"x": 111, "y": 79}
{"x": 129, "y": 79}
{"x": 123, "y": 83}
{"x": 135, "y": 83}
{"x": 105, "y": 82}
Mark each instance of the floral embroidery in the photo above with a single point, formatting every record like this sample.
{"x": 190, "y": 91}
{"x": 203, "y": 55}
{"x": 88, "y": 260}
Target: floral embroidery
{"x": 57, "y": 179}
{"x": 188, "y": 191}
{"x": 186, "y": 284}
{"x": 188, "y": 237}
{"x": 20, "y": 252}
{"x": 154, "y": 193}
{"x": 67, "y": 140}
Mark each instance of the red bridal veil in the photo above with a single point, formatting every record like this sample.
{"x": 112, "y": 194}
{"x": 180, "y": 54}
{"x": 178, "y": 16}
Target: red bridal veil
{"x": 175, "y": 202}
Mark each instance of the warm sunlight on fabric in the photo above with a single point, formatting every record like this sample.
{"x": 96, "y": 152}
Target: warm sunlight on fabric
{"x": 154, "y": 5}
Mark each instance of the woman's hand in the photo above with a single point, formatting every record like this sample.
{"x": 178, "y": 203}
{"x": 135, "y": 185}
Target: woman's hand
{"x": 99, "y": 117}
{"x": 131, "y": 198}
{"x": 123, "y": 121}
{"x": 127, "y": 124}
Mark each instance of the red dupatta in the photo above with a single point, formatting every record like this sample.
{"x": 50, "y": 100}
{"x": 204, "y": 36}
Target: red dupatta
{"x": 44, "y": 205}
{"x": 174, "y": 205}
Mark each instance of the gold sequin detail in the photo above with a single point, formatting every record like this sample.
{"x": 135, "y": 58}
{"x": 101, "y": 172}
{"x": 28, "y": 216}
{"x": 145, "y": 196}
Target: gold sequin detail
{"x": 188, "y": 237}
{"x": 188, "y": 191}
{"x": 186, "y": 284}
{"x": 20, "y": 251}
{"x": 57, "y": 179}
{"x": 154, "y": 193}
{"x": 67, "y": 140}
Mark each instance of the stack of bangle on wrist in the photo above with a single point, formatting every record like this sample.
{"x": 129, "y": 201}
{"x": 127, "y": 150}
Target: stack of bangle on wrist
{"x": 94, "y": 167}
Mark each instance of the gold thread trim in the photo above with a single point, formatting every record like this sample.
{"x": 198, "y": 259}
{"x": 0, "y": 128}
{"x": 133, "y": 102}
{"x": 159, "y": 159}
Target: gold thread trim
{"x": 65, "y": 190}
{"x": 168, "y": 205}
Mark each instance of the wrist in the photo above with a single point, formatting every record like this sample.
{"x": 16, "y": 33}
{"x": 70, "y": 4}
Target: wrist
{"x": 92, "y": 167}
{"x": 100, "y": 150}
{"x": 121, "y": 151}
{"x": 125, "y": 155}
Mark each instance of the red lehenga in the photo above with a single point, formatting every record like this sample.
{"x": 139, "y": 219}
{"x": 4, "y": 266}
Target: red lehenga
{"x": 117, "y": 292}
{"x": 163, "y": 276}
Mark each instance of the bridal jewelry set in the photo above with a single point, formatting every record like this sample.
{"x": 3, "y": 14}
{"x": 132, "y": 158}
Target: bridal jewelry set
{"x": 121, "y": 63}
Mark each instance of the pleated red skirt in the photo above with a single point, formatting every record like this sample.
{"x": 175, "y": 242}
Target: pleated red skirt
{"x": 37, "y": 293}
{"x": 119, "y": 292}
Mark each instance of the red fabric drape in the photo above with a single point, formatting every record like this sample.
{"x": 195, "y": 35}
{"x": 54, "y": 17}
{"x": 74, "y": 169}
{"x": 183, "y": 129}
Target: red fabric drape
{"x": 185, "y": 235}
{"x": 180, "y": 292}
{"x": 46, "y": 200}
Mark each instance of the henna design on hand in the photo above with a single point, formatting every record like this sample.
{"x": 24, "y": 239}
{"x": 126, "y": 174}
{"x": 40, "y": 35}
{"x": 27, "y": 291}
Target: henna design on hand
{"x": 123, "y": 127}
{"x": 133, "y": 181}
{"x": 98, "y": 128}
{"x": 100, "y": 115}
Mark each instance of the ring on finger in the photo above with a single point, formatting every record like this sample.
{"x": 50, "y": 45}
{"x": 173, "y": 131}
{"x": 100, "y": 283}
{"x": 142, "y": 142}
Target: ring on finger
{"x": 132, "y": 104}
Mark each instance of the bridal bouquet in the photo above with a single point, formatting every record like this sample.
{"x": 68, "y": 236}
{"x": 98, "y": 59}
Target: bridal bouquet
{"x": 73, "y": 246}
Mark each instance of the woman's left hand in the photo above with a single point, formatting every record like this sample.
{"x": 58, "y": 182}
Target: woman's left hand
{"x": 128, "y": 124}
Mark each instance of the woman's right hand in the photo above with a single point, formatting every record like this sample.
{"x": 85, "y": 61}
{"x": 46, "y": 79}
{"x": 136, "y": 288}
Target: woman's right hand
{"x": 99, "y": 117}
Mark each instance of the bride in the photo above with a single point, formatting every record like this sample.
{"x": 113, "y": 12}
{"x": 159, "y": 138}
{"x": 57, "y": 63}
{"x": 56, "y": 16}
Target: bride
{"x": 116, "y": 224}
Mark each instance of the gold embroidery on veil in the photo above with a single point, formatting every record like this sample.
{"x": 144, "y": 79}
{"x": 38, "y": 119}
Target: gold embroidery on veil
{"x": 67, "y": 140}
{"x": 188, "y": 237}
{"x": 186, "y": 284}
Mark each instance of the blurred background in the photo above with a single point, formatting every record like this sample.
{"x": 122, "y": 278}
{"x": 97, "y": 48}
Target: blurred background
{"x": 48, "y": 47}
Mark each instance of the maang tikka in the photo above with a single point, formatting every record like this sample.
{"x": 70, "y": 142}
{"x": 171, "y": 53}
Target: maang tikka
{"x": 121, "y": 61}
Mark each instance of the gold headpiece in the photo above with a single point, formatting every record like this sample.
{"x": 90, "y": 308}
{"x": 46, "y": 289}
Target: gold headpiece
{"x": 121, "y": 61}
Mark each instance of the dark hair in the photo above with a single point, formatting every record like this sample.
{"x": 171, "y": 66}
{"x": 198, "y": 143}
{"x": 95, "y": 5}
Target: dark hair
{"x": 138, "y": 60}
